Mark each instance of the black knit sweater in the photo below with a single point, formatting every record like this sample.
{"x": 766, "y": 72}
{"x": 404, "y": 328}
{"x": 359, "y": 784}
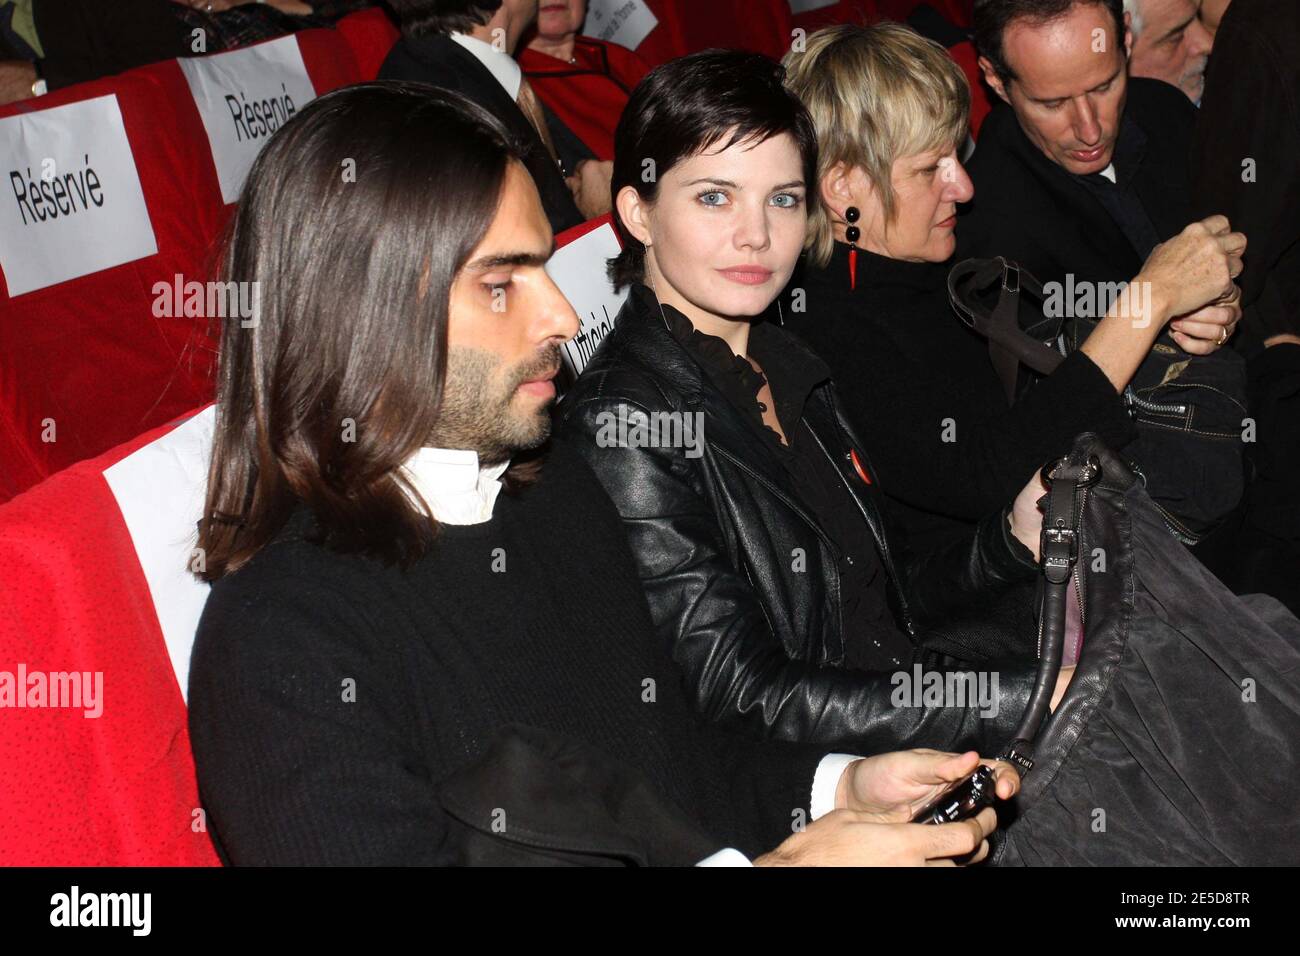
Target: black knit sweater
{"x": 925, "y": 397}
{"x": 535, "y": 617}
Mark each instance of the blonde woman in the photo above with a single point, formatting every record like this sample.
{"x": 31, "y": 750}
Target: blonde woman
{"x": 890, "y": 109}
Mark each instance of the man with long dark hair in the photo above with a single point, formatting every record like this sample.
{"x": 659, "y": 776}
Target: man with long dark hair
{"x": 404, "y": 573}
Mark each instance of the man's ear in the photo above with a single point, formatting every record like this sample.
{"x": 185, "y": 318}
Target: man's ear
{"x": 993, "y": 80}
{"x": 634, "y": 213}
{"x": 1128, "y": 35}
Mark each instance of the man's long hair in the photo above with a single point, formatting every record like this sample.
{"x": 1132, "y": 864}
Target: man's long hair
{"x": 353, "y": 223}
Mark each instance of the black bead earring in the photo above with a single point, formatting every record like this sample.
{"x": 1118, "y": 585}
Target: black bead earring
{"x": 853, "y": 234}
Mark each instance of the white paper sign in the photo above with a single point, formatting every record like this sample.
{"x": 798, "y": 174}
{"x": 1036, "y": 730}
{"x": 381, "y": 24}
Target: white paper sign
{"x": 160, "y": 490}
{"x": 579, "y": 270}
{"x": 244, "y": 96}
{"x": 625, "y": 22}
{"x": 806, "y": 6}
{"x": 72, "y": 202}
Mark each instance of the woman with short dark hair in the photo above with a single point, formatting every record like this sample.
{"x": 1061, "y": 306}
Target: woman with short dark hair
{"x": 750, "y": 504}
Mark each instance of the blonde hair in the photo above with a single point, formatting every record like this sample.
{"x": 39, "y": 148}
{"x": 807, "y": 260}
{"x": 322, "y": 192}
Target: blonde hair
{"x": 876, "y": 94}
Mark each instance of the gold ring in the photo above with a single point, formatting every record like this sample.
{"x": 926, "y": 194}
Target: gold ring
{"x": 1223, "y": 335}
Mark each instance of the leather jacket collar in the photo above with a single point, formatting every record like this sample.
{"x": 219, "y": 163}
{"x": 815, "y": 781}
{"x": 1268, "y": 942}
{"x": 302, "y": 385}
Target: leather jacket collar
{"x": 642, "y": 334}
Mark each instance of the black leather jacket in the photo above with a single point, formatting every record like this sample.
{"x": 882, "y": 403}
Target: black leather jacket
{"x": 761, "y": 644}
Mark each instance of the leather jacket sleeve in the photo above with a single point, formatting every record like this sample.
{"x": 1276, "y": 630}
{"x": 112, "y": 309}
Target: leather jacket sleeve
{"x": 736, "y": 670}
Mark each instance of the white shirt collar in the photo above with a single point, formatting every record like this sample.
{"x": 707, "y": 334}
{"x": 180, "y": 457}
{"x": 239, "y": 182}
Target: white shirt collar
{"x": 501, "y": 65}
{"x": 457, "y": 490}
{"x": 1109, "y": 172}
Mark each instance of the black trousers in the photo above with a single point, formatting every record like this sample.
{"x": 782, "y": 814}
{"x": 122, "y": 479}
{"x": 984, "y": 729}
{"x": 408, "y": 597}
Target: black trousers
{"x": 1257, "y": 549}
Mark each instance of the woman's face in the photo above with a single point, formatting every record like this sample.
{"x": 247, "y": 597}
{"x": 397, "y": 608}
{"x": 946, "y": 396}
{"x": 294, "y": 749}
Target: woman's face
{"x": 559, "y": 19}
{"x": 927, "y": 188}
{"x": 726, "y": 230}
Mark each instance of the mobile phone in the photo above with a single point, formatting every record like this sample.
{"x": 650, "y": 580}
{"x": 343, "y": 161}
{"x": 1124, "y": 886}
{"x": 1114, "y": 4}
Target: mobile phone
{"x": 962, "y": 800}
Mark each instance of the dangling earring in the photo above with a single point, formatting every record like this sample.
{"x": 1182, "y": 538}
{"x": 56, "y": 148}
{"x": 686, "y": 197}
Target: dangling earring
{"x": 853, "y": 234}
{"x": 659, "y": 302}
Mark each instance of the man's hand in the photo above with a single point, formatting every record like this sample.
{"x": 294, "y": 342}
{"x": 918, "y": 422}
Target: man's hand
{"x": 892, "y": 787}
{"x": 590, "y": 187}
{"x": 850, "y": 838}
{"x": 16, "y": 79}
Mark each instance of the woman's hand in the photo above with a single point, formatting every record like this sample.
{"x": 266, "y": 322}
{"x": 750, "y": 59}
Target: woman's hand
{"x": 1189, "y": 279}
{"x": 1195, "y": 268}
{"x": 1208, "y": 328}
{"x": 1025, "y": 518}
{"x": 892, "y": 787}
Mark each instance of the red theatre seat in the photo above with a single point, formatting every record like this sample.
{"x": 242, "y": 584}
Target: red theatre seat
{"x": 686, "y": 26}
{"x": 763, "y": 26}
{"x": 94, "y": 580}
{"x": 369, "y": 34}
{"x": 957, "y": 12}
{"x": 90, "y": 561}
{"x": 981, "y": 99}
{"x": 85, "y": 364}
{"x": 329, "y": 60}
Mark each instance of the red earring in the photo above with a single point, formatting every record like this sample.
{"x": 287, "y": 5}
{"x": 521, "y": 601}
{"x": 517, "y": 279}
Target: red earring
{"x": 852, "y": 234}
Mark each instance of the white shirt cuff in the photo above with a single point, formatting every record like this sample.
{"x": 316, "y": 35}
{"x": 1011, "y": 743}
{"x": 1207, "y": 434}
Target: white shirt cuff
{"x": 825, "y": 782}
{"x": 727, "y": 857}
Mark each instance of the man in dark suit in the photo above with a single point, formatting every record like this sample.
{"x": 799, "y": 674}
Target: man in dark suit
{"x": 1081, "y": 169}
{"x": 467, "y": 46}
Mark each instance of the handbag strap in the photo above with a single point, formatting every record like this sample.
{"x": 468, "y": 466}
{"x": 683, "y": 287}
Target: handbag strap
{"x": 1067, "y": 481}
{"x": 1009, "y": 344}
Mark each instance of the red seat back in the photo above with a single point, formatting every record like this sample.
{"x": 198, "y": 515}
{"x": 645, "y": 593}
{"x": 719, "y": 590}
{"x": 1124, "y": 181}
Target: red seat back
{"x": 369, "y": 34}
{"x": 117, "y": 787}
{"x": 85, "y": 363}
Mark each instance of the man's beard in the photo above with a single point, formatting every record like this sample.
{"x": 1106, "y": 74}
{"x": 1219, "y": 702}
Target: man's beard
{"x": 477, "y": 400}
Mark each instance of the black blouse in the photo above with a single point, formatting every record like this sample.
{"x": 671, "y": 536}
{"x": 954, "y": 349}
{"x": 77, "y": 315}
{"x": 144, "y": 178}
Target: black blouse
{"x": 873, "y": 639}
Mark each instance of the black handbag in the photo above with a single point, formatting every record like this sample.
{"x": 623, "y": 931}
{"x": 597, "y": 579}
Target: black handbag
{"x": 1178, "y": 739}
{"x": 1190, "y": 411}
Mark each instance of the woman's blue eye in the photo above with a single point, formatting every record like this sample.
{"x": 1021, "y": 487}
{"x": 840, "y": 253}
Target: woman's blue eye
{"x": 787, "y": 200}
{"x": 714, "y": 198}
